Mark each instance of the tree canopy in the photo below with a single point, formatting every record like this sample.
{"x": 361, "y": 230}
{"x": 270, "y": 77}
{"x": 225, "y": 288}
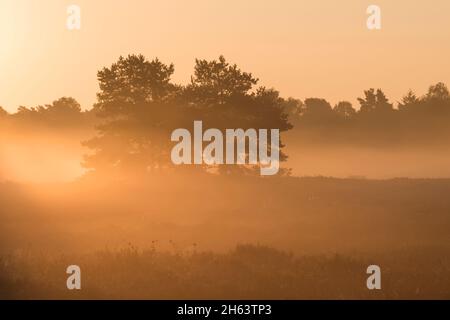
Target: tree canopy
{"x": 141, "y": 106}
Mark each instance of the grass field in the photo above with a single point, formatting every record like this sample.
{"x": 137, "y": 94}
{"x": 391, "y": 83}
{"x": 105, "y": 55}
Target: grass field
{"x": 280, "y": 238}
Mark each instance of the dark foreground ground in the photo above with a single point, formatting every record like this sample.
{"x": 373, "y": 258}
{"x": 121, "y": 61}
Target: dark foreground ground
{"x": 280, "y": 238}
{"x": 247, "y": 272}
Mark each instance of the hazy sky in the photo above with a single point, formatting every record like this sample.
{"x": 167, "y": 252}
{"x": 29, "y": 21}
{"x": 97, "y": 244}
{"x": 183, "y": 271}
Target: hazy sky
{"x": 302, "y": 48}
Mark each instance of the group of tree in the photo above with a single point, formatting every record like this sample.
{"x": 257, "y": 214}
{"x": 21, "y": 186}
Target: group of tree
{"x": 138, "y": 106}
{"x": 64, "y": 113}
{"x": 141, "y": 106}
{"x": 377, "y": 121}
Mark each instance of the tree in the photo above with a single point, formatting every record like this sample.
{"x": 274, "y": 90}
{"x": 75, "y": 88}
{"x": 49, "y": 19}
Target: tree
{"x": 64, "y": 105}
{"x": 224, "y": 97}
{"x": 438, "y": 91}
{"x": 412, "y": 108}
{"x": 216, "y": 81}
{"x": 293, "y": 107}
{"x": 437, "y": 100}
{"x": 63, "y": 112}
{"x": 375, "y": 101}
{"x": 410, "y": 100}
{"x": 3, "y": 112}
{"x": 134, "y": 100}
{"x": 130, "y": 82}
{"x": 141, "y": 107}
{"x": 315, "y": 110}
{"x": 434, "y": 104}
{"x": 344, "y": 110}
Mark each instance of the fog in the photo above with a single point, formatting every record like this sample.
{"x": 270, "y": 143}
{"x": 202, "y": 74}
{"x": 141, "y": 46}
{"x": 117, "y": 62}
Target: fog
{"x": 43, "y": 156}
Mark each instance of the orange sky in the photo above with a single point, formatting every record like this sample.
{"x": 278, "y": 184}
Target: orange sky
{"x": 302, "y": 48}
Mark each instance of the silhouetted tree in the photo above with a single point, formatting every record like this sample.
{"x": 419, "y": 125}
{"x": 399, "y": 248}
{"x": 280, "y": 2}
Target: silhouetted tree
{"x": 409, "y": 101}
{"x": 438, "y": 92}
{"x": 316, "y": 112}
{"x": 224, "y": 96}
{"x": 64, "y": 112}
{"x": 141, "y": 107}
{"x": 130, "y": 82}
{"x": 3, "y": 112}
{"x": 293, "y": 108}
{"x": 134, "y": 100}
{"x": 316, "y": 107}
{"x": 426, "y": 118}
{"x": 216, "y": 81}
{"x": 375, "y": 101}
{"x": 437, "y": 101}
{"x": 344, "y": 110}
{"x": 64, "y": 105}
{"x": 435, "y": 104}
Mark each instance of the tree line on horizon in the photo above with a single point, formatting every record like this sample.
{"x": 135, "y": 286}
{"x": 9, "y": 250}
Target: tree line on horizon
{"x": 138, "y": 106}
{"x": 378, "y": 122}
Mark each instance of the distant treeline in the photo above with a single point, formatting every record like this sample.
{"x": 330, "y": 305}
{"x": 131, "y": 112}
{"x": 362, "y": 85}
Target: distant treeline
{"x": 138, "y": 106}
{"x": 63, "y": 113}
{"x": 415, "y": 119}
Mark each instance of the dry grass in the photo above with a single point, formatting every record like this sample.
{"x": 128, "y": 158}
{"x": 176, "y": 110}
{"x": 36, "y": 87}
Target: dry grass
{"x": 334, "y": 229}
{"x": 247, "y": 272}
